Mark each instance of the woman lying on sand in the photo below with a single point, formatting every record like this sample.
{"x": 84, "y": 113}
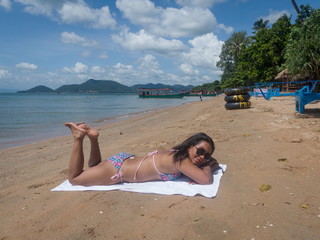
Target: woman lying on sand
{"x": 191, "y": 158}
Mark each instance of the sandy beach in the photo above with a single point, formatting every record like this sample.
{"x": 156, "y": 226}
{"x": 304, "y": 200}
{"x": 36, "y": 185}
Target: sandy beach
{"x": 267, "y": 144}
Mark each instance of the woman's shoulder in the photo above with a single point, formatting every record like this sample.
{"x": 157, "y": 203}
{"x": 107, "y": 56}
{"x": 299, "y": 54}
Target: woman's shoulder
{"x": 165, "y": 156}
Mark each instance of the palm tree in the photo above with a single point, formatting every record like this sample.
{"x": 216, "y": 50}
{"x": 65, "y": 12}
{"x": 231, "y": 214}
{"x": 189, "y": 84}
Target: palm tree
{"x": 237, "y": 42}
{"x": 260, "y": 24}
{"x": 295, "y": 6}
{"x": 230, "y": 53}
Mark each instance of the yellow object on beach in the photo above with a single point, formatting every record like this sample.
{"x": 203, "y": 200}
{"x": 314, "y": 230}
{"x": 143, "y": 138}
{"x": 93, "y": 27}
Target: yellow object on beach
{"x": 265, "y": 187}
{"x": 282, "y": 160}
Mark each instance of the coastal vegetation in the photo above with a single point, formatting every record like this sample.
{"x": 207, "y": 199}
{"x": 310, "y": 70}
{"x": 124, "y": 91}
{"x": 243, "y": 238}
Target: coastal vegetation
{"x": 246, "y": 60}
{"x": 210, "y": 87}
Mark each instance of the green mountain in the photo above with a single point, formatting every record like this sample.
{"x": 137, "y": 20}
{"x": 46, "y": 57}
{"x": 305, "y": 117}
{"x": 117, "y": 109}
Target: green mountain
{"x": 103, "y": 86}
{"x": 98, "y": 86}
{"x": 38, "y": 89}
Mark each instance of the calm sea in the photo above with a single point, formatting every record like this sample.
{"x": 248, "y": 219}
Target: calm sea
{"x": 28, "y": 118}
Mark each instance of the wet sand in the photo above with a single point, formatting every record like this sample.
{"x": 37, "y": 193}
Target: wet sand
{"x": 267, "y": 144}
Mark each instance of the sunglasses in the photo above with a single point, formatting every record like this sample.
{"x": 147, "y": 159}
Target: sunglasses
{"x": 201, "y": 152}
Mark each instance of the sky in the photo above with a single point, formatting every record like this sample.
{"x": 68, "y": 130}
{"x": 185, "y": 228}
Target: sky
{"x": 58, "y": 42}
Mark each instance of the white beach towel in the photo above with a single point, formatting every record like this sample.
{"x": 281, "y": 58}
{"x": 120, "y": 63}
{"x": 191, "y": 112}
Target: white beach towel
{"x": 180, "y": 186}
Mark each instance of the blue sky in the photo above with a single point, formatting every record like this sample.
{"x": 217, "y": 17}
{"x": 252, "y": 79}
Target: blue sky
{"x": 57, "y": 42}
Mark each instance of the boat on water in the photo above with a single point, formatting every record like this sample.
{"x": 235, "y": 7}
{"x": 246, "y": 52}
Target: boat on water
{"x": 158, "y": 93}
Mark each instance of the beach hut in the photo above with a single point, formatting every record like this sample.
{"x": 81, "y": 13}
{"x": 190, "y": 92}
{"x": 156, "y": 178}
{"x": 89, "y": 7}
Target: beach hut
{"x": 286, "y": 77}
{"x": 291, "y": 83}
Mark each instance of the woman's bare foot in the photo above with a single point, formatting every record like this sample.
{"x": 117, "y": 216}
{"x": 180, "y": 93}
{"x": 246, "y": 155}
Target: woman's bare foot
{"x": 76, "y": 130}
{"x": 91, "y": 132}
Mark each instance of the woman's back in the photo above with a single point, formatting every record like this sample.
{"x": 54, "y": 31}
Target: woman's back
{"x": 154, "y": 166}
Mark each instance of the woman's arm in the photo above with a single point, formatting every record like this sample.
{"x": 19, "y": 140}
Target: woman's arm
{"x": 201, "y": 175}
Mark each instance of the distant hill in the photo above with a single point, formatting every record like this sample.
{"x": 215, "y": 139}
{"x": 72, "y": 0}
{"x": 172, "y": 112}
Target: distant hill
{"x": 103, "y": 86}
{"x": 99, "y": 86}
{"x": 38, "y": 89}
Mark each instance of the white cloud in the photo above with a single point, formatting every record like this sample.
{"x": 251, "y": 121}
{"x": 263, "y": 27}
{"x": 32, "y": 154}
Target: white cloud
{"x": 79, "y": 12}
{"x": 40, "y": 7}
{"x": 5, "y": 74}
{"x": 28, "y": 66}
{"x": 187, "y": 69}
{"x": 72, "y": 38}
{"x": 143, "y": 41}
{"x": 139, "y": 11}
{"x": 6, "y": 4}
{"x": 274, "y": 15}
{"x": 172, "y": 22}
{"x": 122, "y": 73}
{"x": 78, "y": 68}
{"x": 122, "y": 68}
{"x": 204, "y": 52}
{"x": 71, "y": 11}
{"x": 199, "y": 3}
{"x": 147, "y": 71}
{"x": 103, "y": 55}
{"x": 97, "y": 69}
{"x": 149, "y": 65}
{"x": 82, "y": 77}
{"x": 225, "y": 28}
{"x": 185, "y": 22}
{"x": 149, "y": 61}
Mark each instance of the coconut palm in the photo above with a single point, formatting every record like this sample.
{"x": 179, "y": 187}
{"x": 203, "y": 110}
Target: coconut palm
{"x": 237, "y": 43}
{"x": 295, "y": 6}
{"x": 260, "y": 24}
{"x": 232, "y": 48}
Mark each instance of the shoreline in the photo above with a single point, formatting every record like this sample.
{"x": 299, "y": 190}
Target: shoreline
{"x": 96, "y": 123}
{"x": 266, "y": 144}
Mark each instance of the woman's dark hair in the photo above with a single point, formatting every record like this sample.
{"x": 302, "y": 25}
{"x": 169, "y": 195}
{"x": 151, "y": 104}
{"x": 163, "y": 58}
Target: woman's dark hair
{"x": 181, "y": 150}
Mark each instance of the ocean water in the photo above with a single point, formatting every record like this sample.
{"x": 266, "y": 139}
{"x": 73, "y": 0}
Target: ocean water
{"x": 28, "y": 118}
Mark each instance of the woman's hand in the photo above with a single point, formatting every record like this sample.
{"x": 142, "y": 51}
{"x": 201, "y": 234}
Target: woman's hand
{"x": 213, "y": 164}
{"x": 191, "y": 182}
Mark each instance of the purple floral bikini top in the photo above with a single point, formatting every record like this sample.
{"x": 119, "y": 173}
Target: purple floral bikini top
{"x": 169, "y": 176}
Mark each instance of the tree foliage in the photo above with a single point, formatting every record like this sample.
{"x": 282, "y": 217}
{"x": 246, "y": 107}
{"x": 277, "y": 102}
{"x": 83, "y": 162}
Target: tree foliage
{"x": 231, "y": 51}
{"x": 304, "y": 13}
{"x": 263, "y": 57}
{"x": 215, "y": 86}
{"x": 260, "y": 24}
{"x": 260, "y": 61}
{"x": 246, "y": 60}
{"x": 303, "y": 49}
